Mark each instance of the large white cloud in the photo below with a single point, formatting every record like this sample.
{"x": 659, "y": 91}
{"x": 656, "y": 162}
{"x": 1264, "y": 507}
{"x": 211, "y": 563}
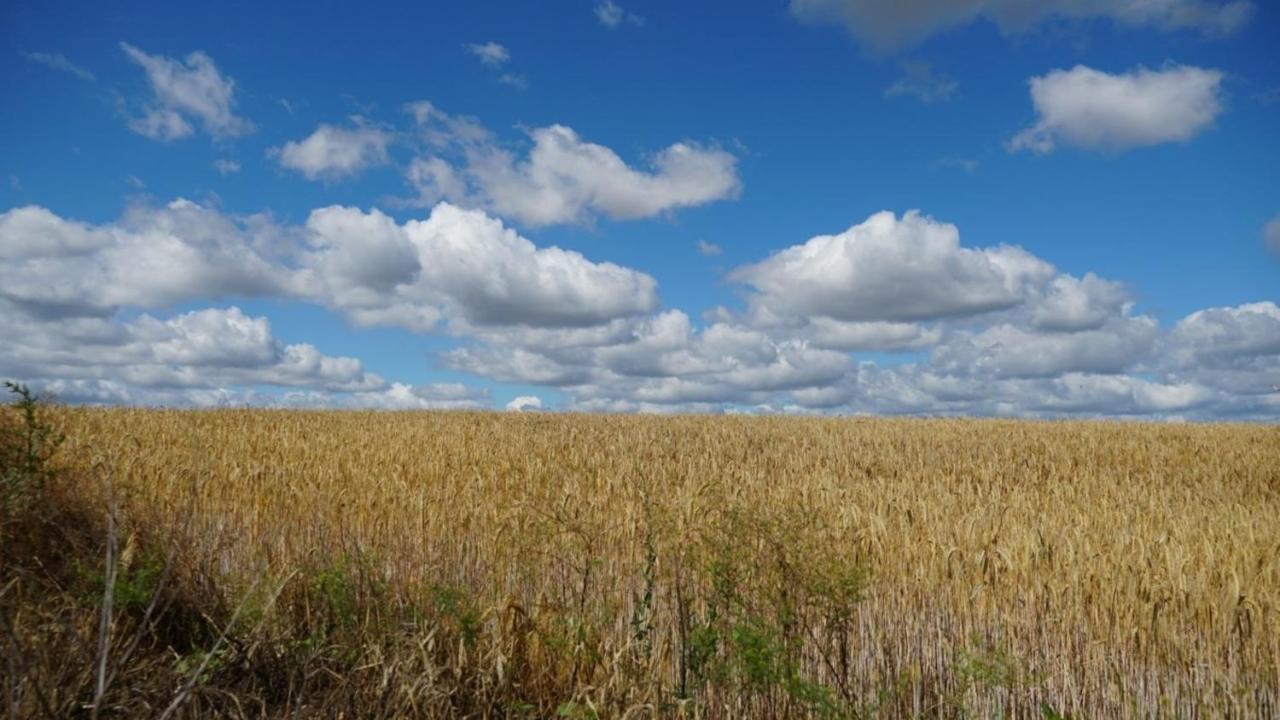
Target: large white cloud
{"x": 201, "y": 349}
{"x": 460, "y": 265}
{"x": 1035, "y": 341}
{"x": 977, "y": 330}
{"x": 465, "y": 265}
{"x": 1235, "y": 349}
{"x": 1095, "y": 110}
{"x": 151, "y": 258}
{"x": 183, "y": 91}
{"x": 564, "y": 179}
{"x": 1007, "y": 350}
{"x": 332, "y": 152}
{"x": 891, "y": 24}
{"x": 661, "y": 360}
{"x": 892, "y": 269}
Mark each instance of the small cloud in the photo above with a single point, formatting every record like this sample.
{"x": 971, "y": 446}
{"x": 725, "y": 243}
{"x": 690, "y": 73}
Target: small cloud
{"x": 333, "y": 153}
{"x": 226, "y": 167}
{"x": 185, "y": 90}
{"x": 964, "y": 165}
{"x": 1271, "y": 235}
{"x": 490, "y": 53}
{"x": 611, "y": 15}
{"x": 525, "y": 403}
{"x": 58, "y": 61}
{"x": 515, "y": 81}
{"x": 15, "y": 184}
{"x": 709, "y": 249}
{"x": 135, "y": 182}
{"x": 288, "y": 106}
{"x": 919, "y": 81}
{"x": 1095, "y": 110}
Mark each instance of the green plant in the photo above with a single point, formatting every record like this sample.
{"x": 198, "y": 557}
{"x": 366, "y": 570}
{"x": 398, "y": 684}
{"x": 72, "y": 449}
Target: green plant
{"x": 27, "y": 450}
{"x": 458, "y": 611}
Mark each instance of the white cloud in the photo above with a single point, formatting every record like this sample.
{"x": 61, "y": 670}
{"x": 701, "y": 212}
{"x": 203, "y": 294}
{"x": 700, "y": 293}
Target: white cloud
{"x": 887, "y": 25}
{"x": 456, "y": 265}
{"x": 400, "y": 396}
{"x": 831, "y": 334}
{"x": 890, "y": 269}
{"x": 464, "y": 265}
{"x": 1234, "y": 349}
{"x": 661, "y": 361}
{"x": 397, "y": 396}
{"x": 1095, "y": 110}
{"x": 226, "y": 167}
{"x": 1009, "y": 351}
{"x": 152, "y": 258}
{"x": 921, "y": 82}
{"x": 612, "y": 15}
{"x": 1049, "y": 344}
{"x": 525, "y": 403}
{"x": 994, "y": 331}
{"x": 564, "y": 179}
{"x": 332, "y": 153}
{"x": 1271, "y": 234}
{"x": 185, "y": 90}
{"x": 58, "y": 61}
{"x": 514, "y": 80}
{"x": 709, "y": 249}
{"x": 207, "y": 348}
{"x": 162, "y": 124}
{"x": 1070, "y": 303}
{"x": 490, "y": 53}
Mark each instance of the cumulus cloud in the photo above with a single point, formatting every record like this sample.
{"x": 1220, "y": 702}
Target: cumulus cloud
{"x": 466, "y": 265}
{"x": 832, "y": 334}
{"x": 58, "y": 61}
{"x": 184, "y": 91}
{"x": 1011, "y": 335}
{"x": 151, "y": 258}
{"x": 660, "y": 361}
{"x": 990, "y": 331}
{"x": 332, "y": 153}
{"x": 564, "y": 179}
{"x": 203, "y": 349}
{"x": 397, "y": 396}
{"x": 887, "y": 25}
{"x": 226, "y": 167}
{"x": 490, "y": 53}
{"x": 460, "y": 265}
{"x": 402, "y": 396}
{"x": 525, "y": 403}
{"x": 1095, "y": 110}
{"x": 1233, "y": 349}
{"x": 891, "y": 269}
{"x": 1010, "y": 351}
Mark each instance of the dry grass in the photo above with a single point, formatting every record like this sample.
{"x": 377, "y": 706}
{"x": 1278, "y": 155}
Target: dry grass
{"x": 480, "y": 564}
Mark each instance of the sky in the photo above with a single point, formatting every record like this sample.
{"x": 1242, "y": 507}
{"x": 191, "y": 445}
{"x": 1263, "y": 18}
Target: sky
{"x": 1022, "y": 208}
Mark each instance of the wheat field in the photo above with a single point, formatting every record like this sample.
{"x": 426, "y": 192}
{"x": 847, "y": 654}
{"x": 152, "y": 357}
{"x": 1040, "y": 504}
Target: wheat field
{"x": 508, "y": 565}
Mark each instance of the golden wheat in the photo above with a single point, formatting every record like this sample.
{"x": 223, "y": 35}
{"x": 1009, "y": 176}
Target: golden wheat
{"x": 728, "y": 567}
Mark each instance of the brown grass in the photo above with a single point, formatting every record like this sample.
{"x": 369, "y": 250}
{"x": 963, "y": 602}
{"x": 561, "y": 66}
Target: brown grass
{"x": 481, "y": 564}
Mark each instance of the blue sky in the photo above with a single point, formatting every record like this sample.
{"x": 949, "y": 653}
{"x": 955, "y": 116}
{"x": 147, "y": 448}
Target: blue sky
{"x": 252, "y": 204}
